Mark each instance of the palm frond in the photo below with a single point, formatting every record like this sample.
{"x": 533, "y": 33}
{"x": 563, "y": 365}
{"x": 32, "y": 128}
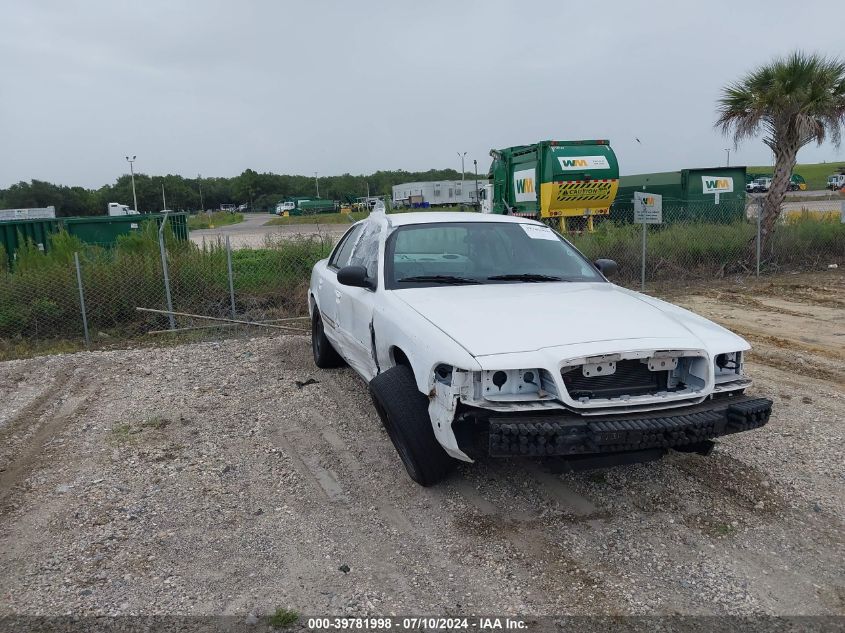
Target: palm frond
{"x": 797, "y": 99}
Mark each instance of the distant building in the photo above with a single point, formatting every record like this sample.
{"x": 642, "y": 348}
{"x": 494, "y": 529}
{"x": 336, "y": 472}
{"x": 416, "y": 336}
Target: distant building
{"x": 40, "y": 213}
{"x": 439, "y": 192}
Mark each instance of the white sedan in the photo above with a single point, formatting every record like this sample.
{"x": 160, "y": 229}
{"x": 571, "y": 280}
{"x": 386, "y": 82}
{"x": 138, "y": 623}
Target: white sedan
{"x": 491, "y": 335}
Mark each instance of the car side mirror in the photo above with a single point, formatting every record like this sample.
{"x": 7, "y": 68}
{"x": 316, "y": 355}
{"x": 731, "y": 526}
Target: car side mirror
{"x": 607, "y": 267}
{"x": 355, "y": 276}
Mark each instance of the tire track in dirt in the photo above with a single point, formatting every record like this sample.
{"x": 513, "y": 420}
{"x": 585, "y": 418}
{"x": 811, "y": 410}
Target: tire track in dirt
{"x": 31, "y": 455}
{"x": 783, "y": 361}
{"x": 37, "y": 406}
{"x": 535, "y": 550}
{"x": 539, "y": 542}
{"x": 345, "y": 392}
{"x": 307, "y": 450}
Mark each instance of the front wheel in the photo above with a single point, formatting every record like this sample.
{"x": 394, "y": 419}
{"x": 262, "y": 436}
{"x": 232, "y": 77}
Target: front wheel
{"x": 325, "y": 355}
{"x": 404, "y": 413}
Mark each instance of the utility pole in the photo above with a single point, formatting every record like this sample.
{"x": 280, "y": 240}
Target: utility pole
{"x": 462, "y": 156}
{"x": 132, "y": 171}
{"x": 728, "y": 150}
{"x": 199, "y": 181}
{"x": 477, "y": 201}
{"x": 317, "y": 183}
{"x": 163, "y": 199}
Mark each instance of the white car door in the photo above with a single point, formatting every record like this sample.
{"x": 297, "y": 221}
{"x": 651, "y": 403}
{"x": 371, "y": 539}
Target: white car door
{"x": 355, "y": 311}
{"x": 329, "y": 291}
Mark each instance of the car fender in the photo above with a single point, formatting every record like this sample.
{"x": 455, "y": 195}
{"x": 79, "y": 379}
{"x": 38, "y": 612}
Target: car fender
{"x": 396, "y": 324}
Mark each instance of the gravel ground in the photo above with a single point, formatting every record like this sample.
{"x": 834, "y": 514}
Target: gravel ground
{"x": 204, "y": 479}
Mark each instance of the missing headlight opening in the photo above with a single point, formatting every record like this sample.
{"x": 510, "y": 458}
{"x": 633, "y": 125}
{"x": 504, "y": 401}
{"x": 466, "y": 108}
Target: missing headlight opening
{"x": 509, "y": 382}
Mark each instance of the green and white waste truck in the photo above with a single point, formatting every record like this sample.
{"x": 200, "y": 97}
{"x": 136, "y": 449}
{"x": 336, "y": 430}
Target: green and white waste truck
{"x": 568, "y": 183}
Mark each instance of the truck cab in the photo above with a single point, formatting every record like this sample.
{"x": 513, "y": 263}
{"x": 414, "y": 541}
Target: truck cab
{"x": 284, "y": 208}
{"x": 115, "y": 208}
{"x": 836, "y": 181}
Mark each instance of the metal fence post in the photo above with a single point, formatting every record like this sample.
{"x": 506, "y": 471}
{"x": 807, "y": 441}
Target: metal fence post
{"x": 166, "y": 274}
{"x": 82, "y": 300}
{"x": 642, "y": 272}
{"x": 759, "y": 222}
{"x": 231, "y": 278}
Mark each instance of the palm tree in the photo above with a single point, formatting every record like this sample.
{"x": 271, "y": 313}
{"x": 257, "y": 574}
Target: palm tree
{"x": 793, "y": 101}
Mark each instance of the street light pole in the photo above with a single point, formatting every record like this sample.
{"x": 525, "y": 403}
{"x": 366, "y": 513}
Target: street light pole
{"x": 477, "y": 201}
{"x": 728, "y": 150}
{"x": 317, "y": 183}
{"x": 132, "y": 171}
{"x": 461, "y": 156}
{"x": 199, "y": 182}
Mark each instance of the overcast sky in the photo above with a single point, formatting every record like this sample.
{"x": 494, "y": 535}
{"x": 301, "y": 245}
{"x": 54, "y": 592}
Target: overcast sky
{"x": 215, "y": 87}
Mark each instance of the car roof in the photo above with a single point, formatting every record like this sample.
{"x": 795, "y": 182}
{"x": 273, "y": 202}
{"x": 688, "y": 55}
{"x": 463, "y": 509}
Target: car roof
{"x": 429, "y": 217}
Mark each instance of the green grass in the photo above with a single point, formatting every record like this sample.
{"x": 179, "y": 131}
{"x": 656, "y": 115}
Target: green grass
{"x": 320, "y": 218}
{"x": 699, "y": 249}
{"x": 722, "y": 529}
{"x": 815, "y": 174}
{"x": 121, "y": 432}
{"x": 282, "y": 618}
{"x": 213, "y": 220}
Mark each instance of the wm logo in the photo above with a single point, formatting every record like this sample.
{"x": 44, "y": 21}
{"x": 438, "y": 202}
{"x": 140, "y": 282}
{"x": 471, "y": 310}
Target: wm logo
{"x": 573, "y": 162}
{"x": 648, "y": 201}
{"x": 525, "y": 185}
{"x": 719, "y": 183}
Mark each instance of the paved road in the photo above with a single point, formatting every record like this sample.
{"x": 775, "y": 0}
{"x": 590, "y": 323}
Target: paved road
{"x": 253, "y": 232}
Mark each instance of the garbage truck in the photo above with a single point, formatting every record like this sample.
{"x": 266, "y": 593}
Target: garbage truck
{"x": 568, "y": 184}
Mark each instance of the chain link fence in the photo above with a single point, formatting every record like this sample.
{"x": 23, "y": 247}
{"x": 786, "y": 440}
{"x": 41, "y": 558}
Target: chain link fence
{"x": 80, "y": 294}
{"x": 706, "y": 241}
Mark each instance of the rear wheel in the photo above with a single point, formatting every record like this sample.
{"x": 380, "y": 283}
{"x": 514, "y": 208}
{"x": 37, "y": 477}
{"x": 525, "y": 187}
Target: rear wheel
{"x": 404, "y": 413}
{"x": 325, "y": 355}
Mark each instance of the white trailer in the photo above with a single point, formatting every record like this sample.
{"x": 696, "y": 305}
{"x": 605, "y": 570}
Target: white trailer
{"x": 39, "y": 213}
{"x": 436, "y": 193}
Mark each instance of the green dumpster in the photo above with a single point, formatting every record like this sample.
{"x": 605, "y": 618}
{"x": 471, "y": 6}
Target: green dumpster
{"x": 100, "y": 230}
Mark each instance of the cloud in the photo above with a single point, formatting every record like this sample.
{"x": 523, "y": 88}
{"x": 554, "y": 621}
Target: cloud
{"x": 295, "y": 87}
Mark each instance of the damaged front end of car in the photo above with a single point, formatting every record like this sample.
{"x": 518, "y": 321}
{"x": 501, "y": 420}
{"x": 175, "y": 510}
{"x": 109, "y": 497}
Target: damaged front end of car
{"x": 596, "y": 406}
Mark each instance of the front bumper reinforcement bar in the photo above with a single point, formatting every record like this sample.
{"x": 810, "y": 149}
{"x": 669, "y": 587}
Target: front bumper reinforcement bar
{"x": 576, "y": 435}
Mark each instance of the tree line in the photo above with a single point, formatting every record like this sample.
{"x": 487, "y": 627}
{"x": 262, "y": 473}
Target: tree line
{"x": 260, "y": 191}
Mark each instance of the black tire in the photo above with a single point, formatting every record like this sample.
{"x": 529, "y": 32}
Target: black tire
{"x": 404, "y": 412}
{"x": 325, "y": 355}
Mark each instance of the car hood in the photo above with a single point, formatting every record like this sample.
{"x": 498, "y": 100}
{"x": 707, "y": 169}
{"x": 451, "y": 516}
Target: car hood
{"x": 510, "y": 318}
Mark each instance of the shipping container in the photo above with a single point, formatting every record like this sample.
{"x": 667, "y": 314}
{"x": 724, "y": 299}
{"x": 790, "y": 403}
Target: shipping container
{"x": 710, "y": 194}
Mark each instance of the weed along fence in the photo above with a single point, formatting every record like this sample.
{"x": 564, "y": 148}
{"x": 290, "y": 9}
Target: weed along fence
{"x": 702, "y": 241}
{"x": 72, "y": 289}
{"x": 52, "y": 297}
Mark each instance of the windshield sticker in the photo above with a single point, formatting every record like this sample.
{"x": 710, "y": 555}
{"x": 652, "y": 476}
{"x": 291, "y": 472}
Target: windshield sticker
{"x": 538, "y": 232}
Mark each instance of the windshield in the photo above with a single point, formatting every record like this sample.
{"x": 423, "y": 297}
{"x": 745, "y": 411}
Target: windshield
{"x": 457, "y": 253}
